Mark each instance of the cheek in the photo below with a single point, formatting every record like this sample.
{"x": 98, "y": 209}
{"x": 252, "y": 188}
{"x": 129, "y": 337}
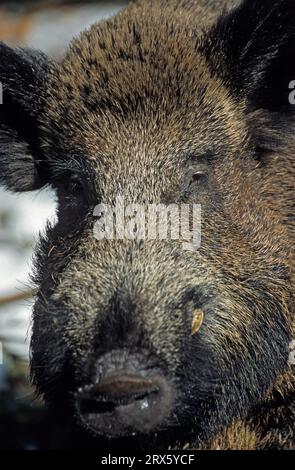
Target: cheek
{"x": 71, "y": 214}
{"x": 49, "y": 351}
{"x": 54, "y": 253}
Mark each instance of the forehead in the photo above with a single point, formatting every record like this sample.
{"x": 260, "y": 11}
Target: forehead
{"x": 129, "y": 89}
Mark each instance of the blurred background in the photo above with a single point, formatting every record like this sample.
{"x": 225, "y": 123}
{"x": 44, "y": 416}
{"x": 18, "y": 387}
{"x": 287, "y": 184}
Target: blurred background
{"x": 48, "y": 25}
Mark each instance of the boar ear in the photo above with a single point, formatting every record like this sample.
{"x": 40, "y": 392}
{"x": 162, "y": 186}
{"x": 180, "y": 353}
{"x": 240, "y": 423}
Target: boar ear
{"x": 253, "y": 48}
{"x": 22, "y": 78}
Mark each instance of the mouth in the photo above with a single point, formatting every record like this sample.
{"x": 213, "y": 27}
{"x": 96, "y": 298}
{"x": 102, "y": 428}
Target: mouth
{"x": 124, "y": 403}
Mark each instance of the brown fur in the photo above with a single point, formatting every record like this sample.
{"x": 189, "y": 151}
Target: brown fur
{"x": 127, "y": 60}
{"x": 132, "y": 97}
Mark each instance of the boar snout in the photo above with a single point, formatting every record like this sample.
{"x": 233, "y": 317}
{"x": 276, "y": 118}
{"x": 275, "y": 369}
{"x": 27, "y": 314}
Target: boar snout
{"x": 127, "y": 396}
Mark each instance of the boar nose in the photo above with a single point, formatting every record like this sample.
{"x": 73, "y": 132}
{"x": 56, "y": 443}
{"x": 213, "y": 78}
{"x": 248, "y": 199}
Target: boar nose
{"x": 127, "y": 396}
{"x": 116, "y": 392}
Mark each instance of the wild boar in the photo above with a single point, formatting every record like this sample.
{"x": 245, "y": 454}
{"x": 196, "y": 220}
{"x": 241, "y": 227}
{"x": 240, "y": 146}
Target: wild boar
{"x": 169, "y": 102}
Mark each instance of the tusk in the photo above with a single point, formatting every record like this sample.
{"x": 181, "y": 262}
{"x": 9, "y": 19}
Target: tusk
{"x": 197, "y": 321}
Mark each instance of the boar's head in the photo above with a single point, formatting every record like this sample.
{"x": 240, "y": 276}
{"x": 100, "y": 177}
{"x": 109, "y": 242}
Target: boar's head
{"x": 149, "y": 108}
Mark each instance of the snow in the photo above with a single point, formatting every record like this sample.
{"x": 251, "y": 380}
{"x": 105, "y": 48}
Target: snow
{"x": 75, "y": 19}
{"x": 24, "y": 217}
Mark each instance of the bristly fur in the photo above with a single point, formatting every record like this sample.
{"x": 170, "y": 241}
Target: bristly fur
{"x": 22, "y": 74}
{"x": 137, "y": 102}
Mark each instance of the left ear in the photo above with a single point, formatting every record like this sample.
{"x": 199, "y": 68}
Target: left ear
{"x": 253, "y": 49}
{"x": 23, "y": 75}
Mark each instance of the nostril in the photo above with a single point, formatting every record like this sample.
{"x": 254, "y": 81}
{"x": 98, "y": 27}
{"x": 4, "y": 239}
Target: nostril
{"x": 93, "y": 406}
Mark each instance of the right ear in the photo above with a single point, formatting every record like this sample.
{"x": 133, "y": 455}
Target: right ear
{"x": 23, "y": 75}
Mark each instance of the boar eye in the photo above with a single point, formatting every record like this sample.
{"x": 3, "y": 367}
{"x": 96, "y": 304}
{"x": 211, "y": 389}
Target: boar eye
{"x": 74, "y": 186}
{"x": 197, "y": 178}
